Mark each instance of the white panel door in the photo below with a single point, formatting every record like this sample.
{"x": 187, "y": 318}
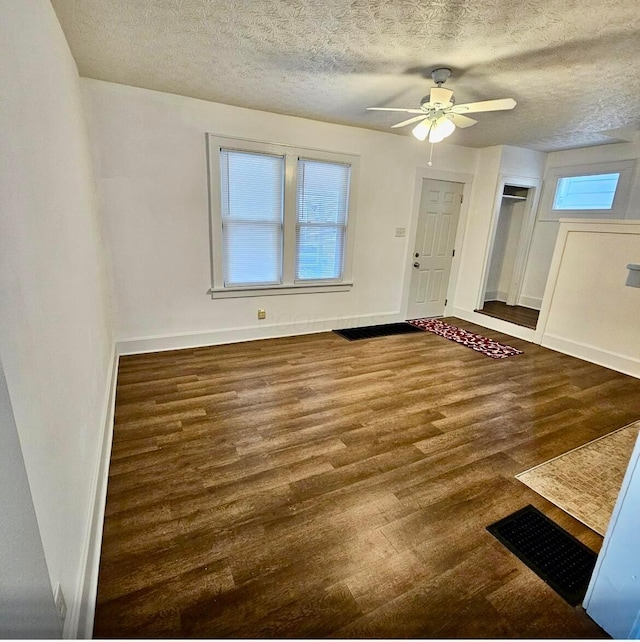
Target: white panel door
{"x": 433, "y": 252}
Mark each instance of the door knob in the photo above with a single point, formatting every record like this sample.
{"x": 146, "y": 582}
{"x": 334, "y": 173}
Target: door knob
{"x": 416, "y": 264}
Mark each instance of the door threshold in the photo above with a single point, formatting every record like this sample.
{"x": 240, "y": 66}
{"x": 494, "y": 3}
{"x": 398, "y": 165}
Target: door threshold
{"x": 516, "y": 314}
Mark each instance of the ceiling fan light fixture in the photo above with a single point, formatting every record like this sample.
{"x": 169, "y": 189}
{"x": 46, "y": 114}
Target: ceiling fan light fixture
{"x": 440, "y": 129}
{"x": 421, "y": 130}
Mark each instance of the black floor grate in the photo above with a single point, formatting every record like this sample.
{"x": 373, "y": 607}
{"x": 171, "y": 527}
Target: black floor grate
{"x": 561, "y": 560}
{"x": 371, "y": 331}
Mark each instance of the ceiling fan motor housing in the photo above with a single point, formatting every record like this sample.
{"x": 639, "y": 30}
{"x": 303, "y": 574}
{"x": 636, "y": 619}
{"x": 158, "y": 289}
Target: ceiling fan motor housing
{"x": 440, "y": 75}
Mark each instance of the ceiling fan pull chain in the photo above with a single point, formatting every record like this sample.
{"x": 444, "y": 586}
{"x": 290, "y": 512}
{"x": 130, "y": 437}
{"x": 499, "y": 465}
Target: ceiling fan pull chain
{"x": 430, "y": 156}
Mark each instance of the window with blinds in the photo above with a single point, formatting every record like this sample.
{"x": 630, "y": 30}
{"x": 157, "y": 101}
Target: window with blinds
{"x": 322, "y": 206}
{"x": 282, "y": 218}
{"x": 252, "y": 204}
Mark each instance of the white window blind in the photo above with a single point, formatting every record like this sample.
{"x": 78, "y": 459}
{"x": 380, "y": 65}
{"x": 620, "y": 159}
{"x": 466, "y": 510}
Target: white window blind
{"x": 322, "y": 206}
{"x": 252, "y": 206}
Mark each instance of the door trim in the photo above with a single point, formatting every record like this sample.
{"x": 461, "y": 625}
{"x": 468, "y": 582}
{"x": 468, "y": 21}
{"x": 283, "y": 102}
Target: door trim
{"x": 421, "y": 174}
{"x": 526, "y": 234}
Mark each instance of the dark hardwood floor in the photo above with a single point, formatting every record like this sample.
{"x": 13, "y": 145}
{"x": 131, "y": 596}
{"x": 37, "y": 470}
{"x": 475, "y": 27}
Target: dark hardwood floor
{"x": 517, "y": 314}
{"x": 311, "y": 486}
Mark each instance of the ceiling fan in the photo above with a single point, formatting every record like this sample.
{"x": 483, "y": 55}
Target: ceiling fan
{"x": 438, "y": 113}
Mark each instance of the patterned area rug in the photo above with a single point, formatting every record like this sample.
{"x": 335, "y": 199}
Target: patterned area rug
{"x": 476, "y": 342}
{"x": 585, "y": 482}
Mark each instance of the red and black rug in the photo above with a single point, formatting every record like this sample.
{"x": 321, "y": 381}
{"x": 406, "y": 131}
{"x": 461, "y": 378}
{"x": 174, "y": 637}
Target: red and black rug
{"x": 476, "y": 342}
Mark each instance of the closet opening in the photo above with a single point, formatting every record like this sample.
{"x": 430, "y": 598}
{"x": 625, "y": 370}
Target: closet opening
{"x": 507, "y": 258}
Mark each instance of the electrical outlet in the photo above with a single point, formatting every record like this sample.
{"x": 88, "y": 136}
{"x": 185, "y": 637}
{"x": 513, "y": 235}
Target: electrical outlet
{"x": 400, "y": 231}
{"x": 61, "y": 605}
{"x": 262, "y": 314}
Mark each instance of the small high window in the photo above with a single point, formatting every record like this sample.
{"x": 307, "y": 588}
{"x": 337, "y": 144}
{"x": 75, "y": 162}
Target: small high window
{"x": 594, "y": 192}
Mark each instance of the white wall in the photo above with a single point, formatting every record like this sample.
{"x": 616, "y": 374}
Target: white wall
{"x": 518, "y": 161}
{"x": 588, "y": 310}
{"x": 516, "y": 211}
{"x": 476, "y": 237}
{"x": 27, "y": 606}
{"x": 546, "y": 232}
{"x": 55, "y": 333}
{"x": 505, "y": 248}
{"x": 150, "y": 163}
{"x": 537, "y": 270}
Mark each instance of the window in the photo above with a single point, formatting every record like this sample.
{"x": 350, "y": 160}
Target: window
{"x": 323, "y": 201}
{"x": 587, "y": 191}
{"x": 594, "y": 192}
{"x": 252, "y": 204}
{"x": 282, "y": 218}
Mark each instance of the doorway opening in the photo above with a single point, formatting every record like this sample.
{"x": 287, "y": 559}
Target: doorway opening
{"x": 507, "y": 258}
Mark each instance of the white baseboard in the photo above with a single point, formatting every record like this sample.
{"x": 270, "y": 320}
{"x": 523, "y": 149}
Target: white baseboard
{"x": 496, "y": 295}
{"x": 492, "y": 323}
{"x": 614, "y": 361}
{"x": 79, "y": 622}
{"x": 530, "y": 302}
{"x": 250, "y": 333}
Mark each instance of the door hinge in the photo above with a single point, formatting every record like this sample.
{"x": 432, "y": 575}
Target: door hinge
{"x": 445, "y": 301}
{"x": 453, "y": 253}
{"x": 461, "y": 197}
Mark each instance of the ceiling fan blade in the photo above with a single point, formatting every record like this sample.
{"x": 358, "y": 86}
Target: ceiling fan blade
{"x": 485, "y": 105}
{"x": 461, "y": 121}
{"x": 415, "y": 119}
{"x": 440, "y": 96}
{"x": 409, "y": 111}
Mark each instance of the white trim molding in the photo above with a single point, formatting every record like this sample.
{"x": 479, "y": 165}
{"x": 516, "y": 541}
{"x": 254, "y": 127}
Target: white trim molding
{"x": 610, "y": 359}
{"x": 79, "y": 623}
{"x": 535, "y": 303}
{"x": 286, "y": 328}
{"x": 619, "y": 362}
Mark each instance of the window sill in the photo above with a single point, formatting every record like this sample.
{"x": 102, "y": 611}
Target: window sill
{"x": 302, "y": 288}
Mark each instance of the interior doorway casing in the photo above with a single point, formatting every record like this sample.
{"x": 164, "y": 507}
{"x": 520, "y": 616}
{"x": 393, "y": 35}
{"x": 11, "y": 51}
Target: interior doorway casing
{"x": 526, "y": 234}
{"x": 423, "y": 173}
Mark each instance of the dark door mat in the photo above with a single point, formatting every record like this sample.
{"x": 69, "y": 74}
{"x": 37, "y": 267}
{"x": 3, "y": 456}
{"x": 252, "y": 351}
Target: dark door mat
{"x": 370, "y": 331}
{"x": 561, "y": 560}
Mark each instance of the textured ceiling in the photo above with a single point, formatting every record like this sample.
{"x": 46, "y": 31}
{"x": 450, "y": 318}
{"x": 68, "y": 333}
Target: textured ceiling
{"x": 572, "y": 65}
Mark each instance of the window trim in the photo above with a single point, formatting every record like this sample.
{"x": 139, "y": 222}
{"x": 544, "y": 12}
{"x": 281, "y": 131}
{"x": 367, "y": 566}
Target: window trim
{"x": 291, "y": 155}
{"x": 626, "y": 170}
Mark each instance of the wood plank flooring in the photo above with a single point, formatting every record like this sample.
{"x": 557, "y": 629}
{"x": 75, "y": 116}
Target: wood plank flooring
{"x": 311, "y": 486}
{"x": 517, "y": 314}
